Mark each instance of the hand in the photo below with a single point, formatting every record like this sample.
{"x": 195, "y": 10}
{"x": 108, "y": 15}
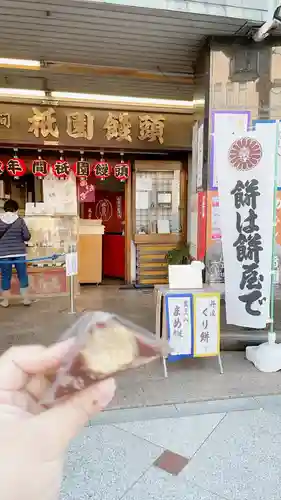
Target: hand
{"x": 33, "y": 441}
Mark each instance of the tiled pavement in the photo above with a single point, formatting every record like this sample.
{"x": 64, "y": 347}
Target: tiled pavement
{"x": 232, "y": 453}
{"x": 189, "y": 380}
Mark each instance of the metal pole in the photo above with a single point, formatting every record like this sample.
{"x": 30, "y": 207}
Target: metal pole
{"x": 271, "y": 332}
{"x": 165, "y": 367}
{"x": 72, "y": 293}
{"x": 72, "y": 249}
{"x": 220, "y": 363}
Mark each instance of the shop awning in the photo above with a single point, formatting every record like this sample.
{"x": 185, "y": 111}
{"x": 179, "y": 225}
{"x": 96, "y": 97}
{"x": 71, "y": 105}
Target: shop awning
{"x": 160, "y": 46}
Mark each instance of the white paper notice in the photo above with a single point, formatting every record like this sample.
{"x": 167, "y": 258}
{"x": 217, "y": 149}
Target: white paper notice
{"x": 179, "y": 318}
{"x": 175, "y": 196}
{"x": 143, "y": 183}
{"x": 164, "y": 198}
{"x": 142, "y": 200}
{"x": 206, "y": 325}
{"x": 60, "y": 196}
{"x": 163, "y": 226}
{"x": 71, "y": 264}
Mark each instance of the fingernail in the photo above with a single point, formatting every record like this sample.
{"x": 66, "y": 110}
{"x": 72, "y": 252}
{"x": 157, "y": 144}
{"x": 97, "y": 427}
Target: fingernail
{"x": 105, "y": 391}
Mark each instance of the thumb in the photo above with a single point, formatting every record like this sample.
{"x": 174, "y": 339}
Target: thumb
{"x": 61, "y": 423}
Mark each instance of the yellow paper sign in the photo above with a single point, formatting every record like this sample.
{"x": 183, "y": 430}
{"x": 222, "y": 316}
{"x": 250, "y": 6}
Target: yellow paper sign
{"x": 206, "y": 307}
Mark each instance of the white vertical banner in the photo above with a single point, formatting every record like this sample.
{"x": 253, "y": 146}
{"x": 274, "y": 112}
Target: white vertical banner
{"x": 200, "y": 153}
{"x": 194, "y": 145}
{"x": 232, "y": 121}
{"x": 245, "y": 167}
{"x": 197, "y": 152}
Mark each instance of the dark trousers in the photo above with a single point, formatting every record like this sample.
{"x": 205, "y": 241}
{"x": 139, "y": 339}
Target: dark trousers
{"x": 6, "y": 272}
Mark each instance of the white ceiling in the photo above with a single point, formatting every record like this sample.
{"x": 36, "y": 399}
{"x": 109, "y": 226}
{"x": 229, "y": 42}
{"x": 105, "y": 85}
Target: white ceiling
{"x": 105, "y": 35}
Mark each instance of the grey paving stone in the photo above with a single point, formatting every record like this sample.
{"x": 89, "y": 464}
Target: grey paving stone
{"x": 156, "y": 485}
{"x": 241, "y": 460}
{"x": 103, "y": 462}
{"x": 218, "y": 406}
{"x": 180, "y": 435}
{"x": 135, "y": 414}
{"x": 196, "y": 380}
{"x": 271, "y": 403}
{"x": 270, "y": 398}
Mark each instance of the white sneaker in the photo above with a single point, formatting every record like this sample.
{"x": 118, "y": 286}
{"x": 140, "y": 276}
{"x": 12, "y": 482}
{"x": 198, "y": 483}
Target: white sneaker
{"x": 4, "y": 303}
{"x": 26, "y": 300}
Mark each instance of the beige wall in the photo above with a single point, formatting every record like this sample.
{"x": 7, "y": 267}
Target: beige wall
{"x": 202, "y": 80}
{"x": 261, "y": 95}
{"x": 275, "y": 93}
{"x": 226, "y": 94}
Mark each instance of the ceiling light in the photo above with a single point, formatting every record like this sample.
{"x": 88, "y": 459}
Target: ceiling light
{"x": 143, "y": 101}
{"x": 19, "y": 63}
{"x": 105, "y": 100}
{"x": 22, "y": 93}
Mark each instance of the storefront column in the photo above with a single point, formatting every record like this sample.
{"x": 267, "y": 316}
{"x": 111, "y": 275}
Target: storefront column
{"x": 198, "y": 168}
{"x": 243, "y": 89}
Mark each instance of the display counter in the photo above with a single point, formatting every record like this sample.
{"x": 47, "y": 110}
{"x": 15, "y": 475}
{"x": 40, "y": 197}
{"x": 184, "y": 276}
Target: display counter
{"x": 43, "y": 282}
{"x": 49, "y": 235}
{"x": 90, "y": 233}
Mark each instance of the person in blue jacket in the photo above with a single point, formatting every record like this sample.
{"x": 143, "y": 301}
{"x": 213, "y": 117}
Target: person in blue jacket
{"x": 13, "y": 237}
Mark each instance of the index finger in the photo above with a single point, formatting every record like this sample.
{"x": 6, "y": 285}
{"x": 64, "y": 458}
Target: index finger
{"x": 19, "y": 363}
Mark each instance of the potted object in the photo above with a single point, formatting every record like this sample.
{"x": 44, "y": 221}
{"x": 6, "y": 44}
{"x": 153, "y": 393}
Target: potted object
{"x": 180, "y": 255}
{"x": 184, "y": 271}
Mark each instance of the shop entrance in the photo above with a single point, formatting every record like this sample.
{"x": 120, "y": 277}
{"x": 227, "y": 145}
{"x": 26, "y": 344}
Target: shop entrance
{"x": 108, "y": 205}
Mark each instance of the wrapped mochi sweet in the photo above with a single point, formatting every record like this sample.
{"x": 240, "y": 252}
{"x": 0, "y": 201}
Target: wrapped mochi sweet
{"x": 100, "y": 346}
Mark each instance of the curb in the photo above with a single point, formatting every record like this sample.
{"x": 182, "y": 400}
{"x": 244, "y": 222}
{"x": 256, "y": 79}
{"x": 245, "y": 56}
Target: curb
{"x": 125, "y": 415}
{"x": 255, "y": 337}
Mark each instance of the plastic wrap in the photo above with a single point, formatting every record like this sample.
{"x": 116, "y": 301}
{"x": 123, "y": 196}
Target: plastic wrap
{"x": 100, "y": 346}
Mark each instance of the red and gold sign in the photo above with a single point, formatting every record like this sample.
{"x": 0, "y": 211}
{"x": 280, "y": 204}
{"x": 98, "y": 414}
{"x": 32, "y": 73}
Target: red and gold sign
{"x": 16, "y": 167}
{"x": 61, "y": 169}
{"x": 40, "y": 168}
{"x": 2, "y": 167}
{"x": 102, "y": 169}
{"x": 82, "y": 169}
{"x": 122, "y": 171}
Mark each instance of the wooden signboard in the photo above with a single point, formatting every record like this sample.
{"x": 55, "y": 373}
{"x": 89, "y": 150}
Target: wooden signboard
{"x": 36, "y": 125}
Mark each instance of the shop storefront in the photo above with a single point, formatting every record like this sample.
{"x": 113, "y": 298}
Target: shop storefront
{"x": 112, "y": 183}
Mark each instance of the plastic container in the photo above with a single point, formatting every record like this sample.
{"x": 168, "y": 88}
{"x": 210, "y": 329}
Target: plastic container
{"x": 100, "y": 346}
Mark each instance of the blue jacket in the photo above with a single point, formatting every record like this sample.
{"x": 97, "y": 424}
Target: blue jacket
{"x": 13, "y": 235}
